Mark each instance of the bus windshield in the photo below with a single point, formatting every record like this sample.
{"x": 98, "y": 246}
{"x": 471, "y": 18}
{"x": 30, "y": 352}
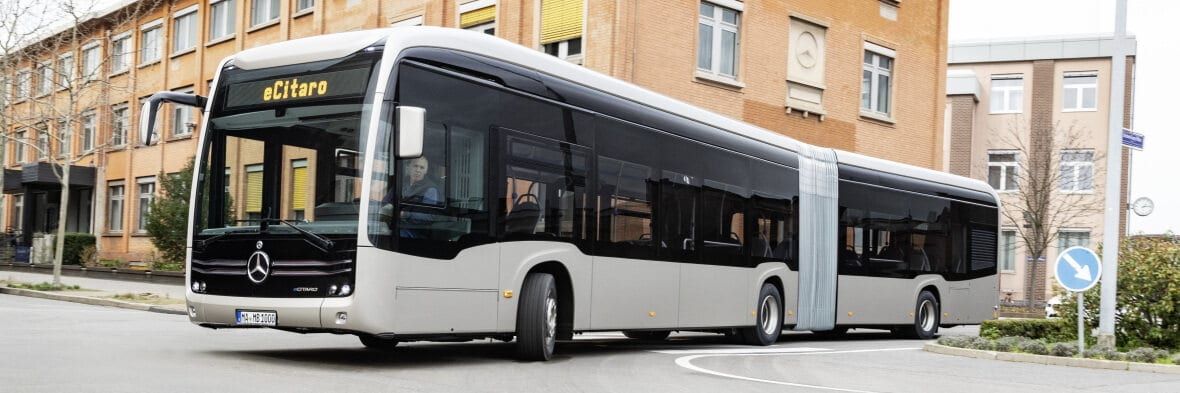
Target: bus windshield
{"x": 283, "y": 149}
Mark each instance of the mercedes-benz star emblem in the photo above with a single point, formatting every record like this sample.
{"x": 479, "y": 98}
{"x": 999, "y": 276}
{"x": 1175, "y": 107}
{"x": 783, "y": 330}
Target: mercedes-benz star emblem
{"x": 258, "y": 267}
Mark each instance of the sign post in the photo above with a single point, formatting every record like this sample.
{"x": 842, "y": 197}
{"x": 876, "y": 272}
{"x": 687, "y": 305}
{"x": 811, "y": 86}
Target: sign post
{"x": 1077, "y": 270}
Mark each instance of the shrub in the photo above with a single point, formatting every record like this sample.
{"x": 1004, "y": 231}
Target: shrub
{"x": 1037, "y": 329}
{"x": 1064, "y": 350}
{"x": 75, "y": 243}
{"x": 955, "y": 341}
{"x": 1148, "y": 300}
{"x": 1176, "y": 358}
{"x": 980, "y": 343}
{"x": 1007, "y": 344}
{"x": 1142, "y": 355}
{"x": 1102, "y": 352}
{"x": 1033, "y": 346}
{"x": 89, "y": 256}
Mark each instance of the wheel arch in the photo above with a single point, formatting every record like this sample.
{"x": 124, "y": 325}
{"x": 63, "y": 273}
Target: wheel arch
{"x": 565, "y": 295}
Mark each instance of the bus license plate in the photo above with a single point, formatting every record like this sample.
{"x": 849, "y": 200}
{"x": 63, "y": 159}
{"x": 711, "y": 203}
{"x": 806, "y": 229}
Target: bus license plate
{"x": 258, "y": 318}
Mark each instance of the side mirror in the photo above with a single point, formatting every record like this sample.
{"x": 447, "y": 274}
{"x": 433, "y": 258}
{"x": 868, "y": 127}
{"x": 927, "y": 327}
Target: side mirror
{"x": 147, "y": 115}
{"x": 411, "y": 128}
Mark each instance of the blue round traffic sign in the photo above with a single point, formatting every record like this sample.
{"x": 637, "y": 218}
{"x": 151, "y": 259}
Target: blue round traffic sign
{"x": 1077, "y": 269}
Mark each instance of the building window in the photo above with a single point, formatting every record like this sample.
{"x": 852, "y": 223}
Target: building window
{"x": 254, "y": 192}
{"x": 24, "y": 84}
{"x": 415, "y": 21}
{"x": 1003, "y": 170}
{"x": 120, "y": 52}
{"x": 42, "y": 142}
{"x": 877, "y": 80}
{"x": 18, "y": 210}
{"x": 91, "y": 61}
{"x": 119, "y": 125}
{"x": 1007, "y": 250}
{"x": 221, "y": 19}
{"x": 478, "y": 15}
{"x": 299, "y": 191}
{"x": 717, "y": 40}
{"x": 1080, "y": 91}
{"x": 44, "y": 79}
{"x": 147, "y": 194}
{"x": 19, "y": 147}
{"x": 263, "y": 11}
{"x": 1077, "y": 170}
{"x": 65, "y": 71}
{"x": 1067, "y": 238}
{"x": 115, "y": 211}
{"x": 568, "y": 50}
{"x": 88, "y": 130}
{"x": 304, "y": 5}
{"x": 151, "y": 42}
{"x": 63, "y": 148}
{"x": 561, "y": 29}
{"x": 182, "y": 117}
{"x": 184, "y": 29}
{"x": 1007, "y": 95}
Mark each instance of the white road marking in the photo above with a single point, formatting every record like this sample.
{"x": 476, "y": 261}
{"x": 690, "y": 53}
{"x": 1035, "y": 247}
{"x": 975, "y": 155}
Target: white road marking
{"x": 738, "y": 351}
{"x": 686, "y": 362}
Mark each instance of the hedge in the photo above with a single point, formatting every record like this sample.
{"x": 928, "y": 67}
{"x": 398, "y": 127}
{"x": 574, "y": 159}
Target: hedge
{"x": 1051, "y": 330}
{"x": 74, "y": 243}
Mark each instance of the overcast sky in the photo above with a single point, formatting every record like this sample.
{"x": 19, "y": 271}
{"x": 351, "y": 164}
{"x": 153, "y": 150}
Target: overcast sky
{"x": 1155, "y": 25}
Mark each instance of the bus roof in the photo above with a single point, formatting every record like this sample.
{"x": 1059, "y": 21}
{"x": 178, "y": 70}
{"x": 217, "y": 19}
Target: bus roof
{"x": 401, "y": 38}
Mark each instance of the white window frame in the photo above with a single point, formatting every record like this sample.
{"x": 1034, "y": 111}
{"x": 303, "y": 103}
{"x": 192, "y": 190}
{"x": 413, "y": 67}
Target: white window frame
{"x": 183, "y": 122}
{"x": 119, "y": 124}
{"x": 24, "y": 85}
{"x": 144, "y": 200}
{"x": 1072, "y": 231}
{"x": 91, "y": 61}
{"x": 66, "y": 144}
{"x": 89, "y": 128}
{"x": 184, "y": 30}
{"x": 151, "y": 32}
{"x": 304, "y": 6}
{"x": 45, "y": 78}
{"x": 1008, "y": 250}
{"x": 414, "y": 21}
{"x": 876, "y": 71}
{"x": 20, "y": 148}
{"x": 42, "y": 142}
{"x": 116, "y": 215}
{"x": 1007, "y": 99}
{"x": 562, "y": 49}
{"x": 222, "y": 19}
{"x": 1074, "y": 177}
{"x": 1006, "y": 169}
{"x": 66, "y": 70}
{"x": 263, "y": 9}
{"x": 718, "y": 27}
{"x": 121, "y": 52}
{"x": 1080, "y": 88}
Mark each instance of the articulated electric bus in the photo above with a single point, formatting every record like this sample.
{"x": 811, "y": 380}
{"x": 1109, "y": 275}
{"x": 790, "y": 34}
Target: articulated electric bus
{"x": 422, "y": 183}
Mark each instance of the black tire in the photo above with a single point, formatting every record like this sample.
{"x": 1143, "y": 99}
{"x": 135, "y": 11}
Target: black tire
{"x": 647, "y": 335}
{"x": 768, "y": 320}
{"x": 927, "y": 316}
{"x": 536, "y": 318}
{"x": 378, "y": 343}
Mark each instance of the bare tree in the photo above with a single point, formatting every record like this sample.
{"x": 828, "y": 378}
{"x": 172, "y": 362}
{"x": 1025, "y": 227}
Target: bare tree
{"x": 1054, "y": 167}
{"x": 71, "y": 86}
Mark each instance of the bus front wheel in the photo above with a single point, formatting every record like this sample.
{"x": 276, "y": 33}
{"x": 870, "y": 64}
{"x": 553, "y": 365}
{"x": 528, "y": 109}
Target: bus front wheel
{"x": 536, "y": 317}
{"x": 926, "y": 318}
{"x": 768, "y": 318}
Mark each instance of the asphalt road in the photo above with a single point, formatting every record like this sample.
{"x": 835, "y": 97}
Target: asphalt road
{"x": 50, "y": 346}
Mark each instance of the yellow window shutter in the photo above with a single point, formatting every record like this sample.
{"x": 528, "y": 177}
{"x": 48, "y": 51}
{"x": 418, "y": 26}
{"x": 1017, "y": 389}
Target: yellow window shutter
{"x": 253, "y": 191}
{"x": 475, "y": 17}
{"x": 299, "y": 188}
{"x": 560, "y": 20}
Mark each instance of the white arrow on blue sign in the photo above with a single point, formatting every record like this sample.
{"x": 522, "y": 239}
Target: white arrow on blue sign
{"x": 1078, "y": 269}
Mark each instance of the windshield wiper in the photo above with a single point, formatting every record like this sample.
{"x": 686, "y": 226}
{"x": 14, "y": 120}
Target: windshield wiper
{"x": 201, "y": 244}
{"x": 319, "y": 241}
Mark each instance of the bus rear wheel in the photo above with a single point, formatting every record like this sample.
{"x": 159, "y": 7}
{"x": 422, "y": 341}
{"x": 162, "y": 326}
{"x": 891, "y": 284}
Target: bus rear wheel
{"x": 647, "y": 335}
{"x": 536, "y": 318}
{"x": 768, "y": 319}
{"x": 926, "y": 319}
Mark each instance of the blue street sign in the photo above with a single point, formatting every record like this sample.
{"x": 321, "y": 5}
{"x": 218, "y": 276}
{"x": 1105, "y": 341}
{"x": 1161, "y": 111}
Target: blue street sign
{"x": 1132, "y": 139}
{"x": 1078, "y": 269}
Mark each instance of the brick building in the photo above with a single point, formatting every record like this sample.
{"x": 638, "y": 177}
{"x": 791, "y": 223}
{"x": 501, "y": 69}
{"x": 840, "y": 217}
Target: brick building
{"x": 856, "y": 76}
{"x": 1014, "y": 106}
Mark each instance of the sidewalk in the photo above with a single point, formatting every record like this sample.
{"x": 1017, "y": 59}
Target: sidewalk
{"x": 162, "y": 298}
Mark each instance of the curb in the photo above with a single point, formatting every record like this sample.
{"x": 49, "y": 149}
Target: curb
{"x": 1053, "y": 360}
{"x": 93, "y": 301}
